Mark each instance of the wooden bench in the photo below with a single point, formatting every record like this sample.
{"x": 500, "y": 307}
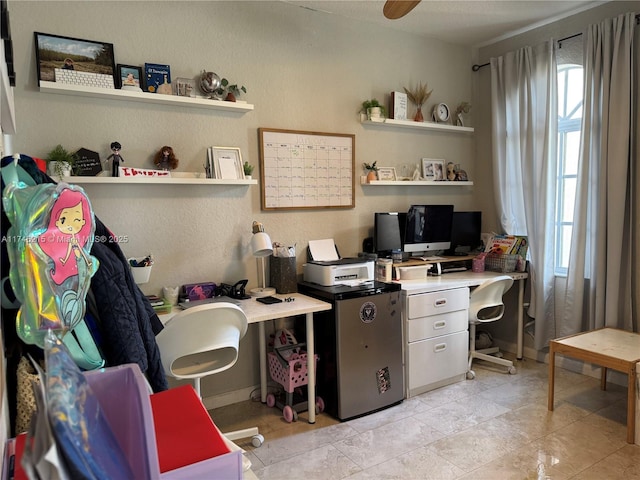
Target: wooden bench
{"x": 609, "y": 348}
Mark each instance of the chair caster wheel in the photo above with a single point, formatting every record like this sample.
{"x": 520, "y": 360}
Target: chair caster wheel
{"x": 471, "y": 375}
{"x": 512, "y": 370}
{"x": 257, "y": 440}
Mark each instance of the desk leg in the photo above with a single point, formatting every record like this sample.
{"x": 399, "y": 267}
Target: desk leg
{"x": 520, "y": 339}
{"x": 552, "y": 366}
{"x": 263, "y": 362}
{"x": 311, "y": 371}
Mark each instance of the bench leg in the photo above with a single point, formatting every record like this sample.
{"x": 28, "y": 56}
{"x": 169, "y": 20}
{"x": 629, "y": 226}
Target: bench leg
{"x": 552, "y": 365}
{"x": 603, "y": 378}
{"x": 631, "y": 405}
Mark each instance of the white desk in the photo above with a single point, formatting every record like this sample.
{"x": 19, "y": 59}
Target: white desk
{"x": 471, "y": 279}
{"x": 259, "y": 313}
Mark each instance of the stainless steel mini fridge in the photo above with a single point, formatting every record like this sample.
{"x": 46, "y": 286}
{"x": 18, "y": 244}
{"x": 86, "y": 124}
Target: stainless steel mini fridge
{"x": 359, "y": 344}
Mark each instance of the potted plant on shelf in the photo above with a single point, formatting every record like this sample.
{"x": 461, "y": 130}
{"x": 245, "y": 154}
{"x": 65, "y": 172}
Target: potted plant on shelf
{"x": 418, "y": 97}
{"x": 248, "y": 170}
{"x": 372, "y": 171}
{"x": 373, "y": 109}
{"x": 60, "y": 162}
{"x": 229, "y": 92}
{"x": 463, "y": 108}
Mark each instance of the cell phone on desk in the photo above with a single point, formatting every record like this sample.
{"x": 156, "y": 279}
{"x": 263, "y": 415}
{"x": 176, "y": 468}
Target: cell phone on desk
{"x": 269, "y": 300}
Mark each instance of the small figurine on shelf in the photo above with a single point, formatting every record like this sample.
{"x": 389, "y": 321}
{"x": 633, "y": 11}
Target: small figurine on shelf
{"x": 165, "y": 159}
{"x": 417, "y": 175}
{"x": 451, "y": 171}
{"x": 461, "y": 175}
{"x": 115, "y": 158}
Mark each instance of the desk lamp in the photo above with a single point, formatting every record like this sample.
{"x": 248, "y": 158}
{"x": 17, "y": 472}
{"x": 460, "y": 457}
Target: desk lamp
{"x": 261, "y": 247}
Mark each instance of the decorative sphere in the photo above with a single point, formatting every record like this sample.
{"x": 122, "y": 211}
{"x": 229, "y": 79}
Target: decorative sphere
{"x": 209, "y": 82}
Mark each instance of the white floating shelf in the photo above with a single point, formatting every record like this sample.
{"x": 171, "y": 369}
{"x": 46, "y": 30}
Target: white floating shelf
{"x": 389, "y": 122}
{"x": 411, "y": 183}
{"x": 156, "y": 181}
{"x": 144, "y": 97}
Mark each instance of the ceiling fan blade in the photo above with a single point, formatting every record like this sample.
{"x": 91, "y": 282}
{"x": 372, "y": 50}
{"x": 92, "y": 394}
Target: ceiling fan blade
{"x": 394, "y": 9}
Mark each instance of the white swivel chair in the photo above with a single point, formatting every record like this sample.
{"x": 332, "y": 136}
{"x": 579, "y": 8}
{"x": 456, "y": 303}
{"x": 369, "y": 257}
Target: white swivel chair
{"x": 486, "y": 305}
{"x": 201, "y": 341}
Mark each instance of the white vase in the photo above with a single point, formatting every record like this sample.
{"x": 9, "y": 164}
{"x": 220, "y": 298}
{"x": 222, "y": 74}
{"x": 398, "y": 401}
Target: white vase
{"x": 53, "y": 169}
{"x": 374, "y": 113}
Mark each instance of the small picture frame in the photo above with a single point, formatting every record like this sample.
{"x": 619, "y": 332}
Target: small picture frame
{"x": 227, "y": 163}
{"x": 387, "y": 173}
{"x": 91, "y": 62}
{"x": 433, "y": 169}
{"x": 129, "y": 76}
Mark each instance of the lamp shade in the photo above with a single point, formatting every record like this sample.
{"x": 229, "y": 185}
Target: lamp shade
{"x": 261, "y": 245}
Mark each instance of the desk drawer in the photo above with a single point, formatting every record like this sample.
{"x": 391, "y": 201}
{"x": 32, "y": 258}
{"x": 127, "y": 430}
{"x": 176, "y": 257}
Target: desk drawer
{"x": 435, "y": 303}
{"x": 436, "y": 359}
{"x": 436, "y": 325}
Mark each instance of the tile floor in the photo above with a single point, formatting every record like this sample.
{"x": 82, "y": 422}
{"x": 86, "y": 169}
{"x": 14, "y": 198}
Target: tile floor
{"x": 494, "y": 427}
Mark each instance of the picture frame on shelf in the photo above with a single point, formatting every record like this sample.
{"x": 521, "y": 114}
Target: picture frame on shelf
{"x": 387, "y": 173}
{"x": 227, "y": 163}
{"x": 74, "y": 61}
{"x": 433, "y": 169}
{"x": 129, "y": 77}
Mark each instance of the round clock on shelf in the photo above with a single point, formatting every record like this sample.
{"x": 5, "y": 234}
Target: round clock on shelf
{"x": 440, "y": 112}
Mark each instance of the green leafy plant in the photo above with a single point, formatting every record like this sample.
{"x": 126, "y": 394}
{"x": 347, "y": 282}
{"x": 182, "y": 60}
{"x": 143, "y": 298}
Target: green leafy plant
{"x": 230, "y": 92}
{"x": 370, "y": 167}
{"x": 248, "y": 168}
{"x": 64, "y": 160}
{"x": 367, "y": 104}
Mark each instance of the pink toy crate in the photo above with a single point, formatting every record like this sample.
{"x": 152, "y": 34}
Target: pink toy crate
{"x": 292, "y": 375}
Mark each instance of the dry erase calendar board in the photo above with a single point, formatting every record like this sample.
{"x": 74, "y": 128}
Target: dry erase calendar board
{"x": 306, "y": 169}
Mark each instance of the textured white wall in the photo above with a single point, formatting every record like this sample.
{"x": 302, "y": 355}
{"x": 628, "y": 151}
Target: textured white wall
{"x": 303, "y": 70}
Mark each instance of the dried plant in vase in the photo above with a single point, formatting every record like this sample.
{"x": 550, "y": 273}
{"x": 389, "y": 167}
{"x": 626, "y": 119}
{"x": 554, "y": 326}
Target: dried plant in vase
{"x": 463, "y": 108}
{"x": 418, "y": 97}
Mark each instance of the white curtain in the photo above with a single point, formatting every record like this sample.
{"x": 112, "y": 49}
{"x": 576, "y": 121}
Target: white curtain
{"x": 602, "y": 282}
{"x": 524, "y": 136}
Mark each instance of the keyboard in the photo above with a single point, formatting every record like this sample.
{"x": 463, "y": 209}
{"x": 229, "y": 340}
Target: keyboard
{"x": 85, "y": 79}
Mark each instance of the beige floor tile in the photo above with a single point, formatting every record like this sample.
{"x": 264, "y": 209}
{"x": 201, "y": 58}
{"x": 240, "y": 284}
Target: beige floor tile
{"x": 496, "y": 426}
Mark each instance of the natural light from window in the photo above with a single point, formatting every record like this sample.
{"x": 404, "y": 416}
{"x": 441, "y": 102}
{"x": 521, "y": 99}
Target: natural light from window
{"x": 569, "y": 121}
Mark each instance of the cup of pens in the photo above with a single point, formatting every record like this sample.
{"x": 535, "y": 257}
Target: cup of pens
{"x": 141, "y": 268}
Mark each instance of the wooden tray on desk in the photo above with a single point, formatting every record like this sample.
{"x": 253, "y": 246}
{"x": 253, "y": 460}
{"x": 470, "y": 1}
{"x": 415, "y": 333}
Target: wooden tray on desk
{"x": 455, "y": 258}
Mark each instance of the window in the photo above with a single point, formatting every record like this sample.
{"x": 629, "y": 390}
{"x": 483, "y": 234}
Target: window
{"x": 570, "y": 101}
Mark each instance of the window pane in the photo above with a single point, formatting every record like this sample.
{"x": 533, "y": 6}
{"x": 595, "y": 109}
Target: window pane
{"x": 568, "y": 200}
{"x": 565, "y": 242}
{"x": 562, "y": 75}
{"x": 571, "y": 151}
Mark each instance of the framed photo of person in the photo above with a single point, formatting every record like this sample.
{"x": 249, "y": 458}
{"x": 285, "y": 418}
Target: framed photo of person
{"x": 433, "y": 169}
{"x": 129, "y": 77}
{"x": 74, "y": 61}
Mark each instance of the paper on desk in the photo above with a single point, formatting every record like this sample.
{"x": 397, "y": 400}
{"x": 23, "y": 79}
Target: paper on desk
{"x": 323, "y": 250}
{"x": 354, "y": 283}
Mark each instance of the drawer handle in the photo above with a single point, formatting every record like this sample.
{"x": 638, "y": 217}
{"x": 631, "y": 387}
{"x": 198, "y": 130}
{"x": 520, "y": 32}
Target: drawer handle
{"x": 441, "y": 347}
{"x": 439, "y": 325}
{"x": 441, "y": 302}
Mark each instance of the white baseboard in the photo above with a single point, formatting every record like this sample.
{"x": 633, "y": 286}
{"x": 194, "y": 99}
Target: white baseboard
{"x": 216, "y": 401}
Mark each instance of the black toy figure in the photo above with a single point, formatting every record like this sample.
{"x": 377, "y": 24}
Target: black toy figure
{"x": 116, "y": 158}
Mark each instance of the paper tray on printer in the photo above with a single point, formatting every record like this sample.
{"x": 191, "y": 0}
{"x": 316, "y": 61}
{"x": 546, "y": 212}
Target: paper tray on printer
{"x": 342, "y": 261}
